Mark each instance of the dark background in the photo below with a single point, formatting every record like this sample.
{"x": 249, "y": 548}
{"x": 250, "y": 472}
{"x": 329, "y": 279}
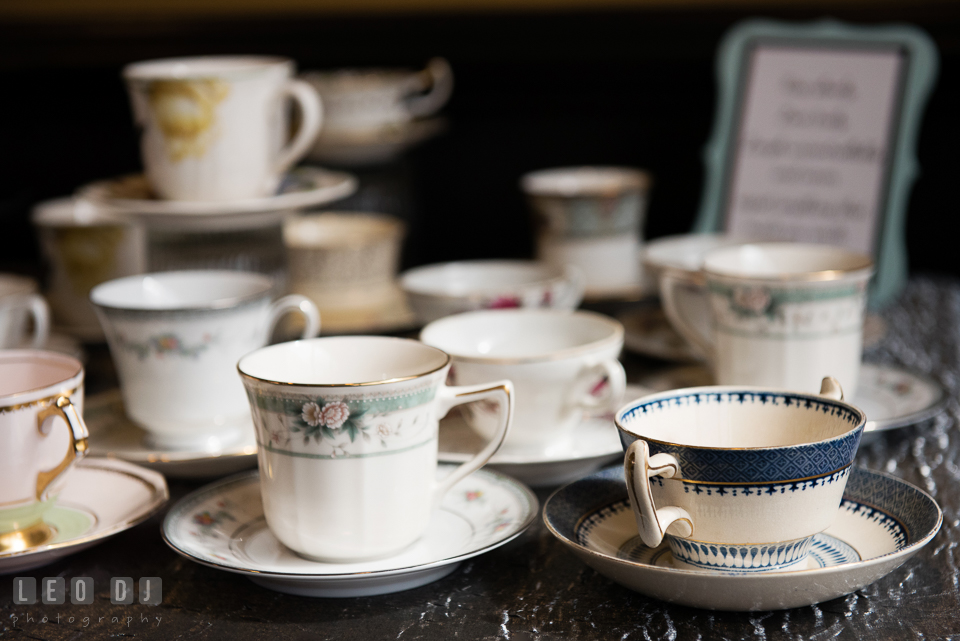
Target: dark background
{"x": 532, "y": 90}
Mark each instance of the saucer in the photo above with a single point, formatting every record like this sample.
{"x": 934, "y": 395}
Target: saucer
{"x": 647, "y": 332}
{"x": 593, "y": 443}
{"x": 891, "y": 397}
{"x": 101, "y": 498}
{"x": 380, "y": 145}
{"x": 882, "y": 522}
{"x": 300, "y": 188}
{"x": 222, "y": 526}
{"x": 115, "y": 436}
{"x": 60, "y": 342}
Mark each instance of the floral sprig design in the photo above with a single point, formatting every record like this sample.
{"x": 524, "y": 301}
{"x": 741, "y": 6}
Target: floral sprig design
{"x": 329, "y": 421}
{"x": 169, "y": 343}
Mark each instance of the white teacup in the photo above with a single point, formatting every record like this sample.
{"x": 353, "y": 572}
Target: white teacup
{"x": 176, "y": 337}
{"x": 347, "y": 433}
{"x": 435, "y": 291}
{"x": 561, "y": 363}
{"x": 363, "y": 100}
{"x": 591, "y": 217}
{"x": 84, "y": 247}
{"x": 19, "y": 302}
{"x": 784, "y": 315}
{"x": 214, "y": 128}
{"x": 738, "y": 478}
{"x": 36, "y": 389}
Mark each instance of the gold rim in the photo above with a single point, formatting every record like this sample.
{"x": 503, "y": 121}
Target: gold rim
{"x": 16, "y": 357}
{"x": 613, "y": 339}
{"x": 718, "y": 389}
{"x": 865, "y": 267}
{"x": 364, "y": 384}
{"x": 40, "y": 402}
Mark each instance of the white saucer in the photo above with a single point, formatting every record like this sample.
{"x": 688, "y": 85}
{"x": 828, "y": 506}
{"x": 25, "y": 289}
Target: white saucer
{"x": 882, "y": 522}
{"x": 101, "y": 498}
{"x": 356, "y": 149}
{"x": 647, "y": 332}
{"x": 593, "y": 443}
{"x": 114, "y": 435}
{"x": 891, "y": 397}
{"x": 222, "y": 526}
{"x": 300, "y": 188}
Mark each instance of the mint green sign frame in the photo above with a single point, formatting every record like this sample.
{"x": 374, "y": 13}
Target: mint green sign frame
{"x": 920, "y": 70}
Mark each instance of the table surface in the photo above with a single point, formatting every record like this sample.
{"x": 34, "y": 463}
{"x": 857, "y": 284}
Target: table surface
{"x": 532, "y": 588}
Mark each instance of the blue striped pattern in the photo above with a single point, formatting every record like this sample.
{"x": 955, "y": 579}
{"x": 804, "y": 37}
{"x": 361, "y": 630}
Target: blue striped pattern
{"x": 768, "y": 557}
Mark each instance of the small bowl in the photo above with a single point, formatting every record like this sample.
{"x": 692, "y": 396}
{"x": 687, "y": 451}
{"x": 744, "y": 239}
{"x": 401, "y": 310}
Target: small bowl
{"x": 435, "y": 291}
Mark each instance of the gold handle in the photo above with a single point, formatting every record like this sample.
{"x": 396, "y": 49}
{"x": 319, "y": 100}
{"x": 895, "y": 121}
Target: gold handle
{"x": 78, "y": 441}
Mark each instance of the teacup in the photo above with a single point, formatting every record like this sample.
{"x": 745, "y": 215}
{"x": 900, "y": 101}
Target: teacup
{"x": 561, "y": 363}
{"x": 364, "y": 100}
{"x": 346, "y": 263}
{"x": 214, "y": 128}
{"x": 347, "y": 433}
{"x": 591, "y": 217}
{"x": 84, "y": 247}
{"x": 784, "y": 314}
{"x": 36, "y": 389}
{"x": 19, "y": 302}
{"x": 435, "y": 291}
{"x": 176, "y": 337}
{"x": 738, "y": 479}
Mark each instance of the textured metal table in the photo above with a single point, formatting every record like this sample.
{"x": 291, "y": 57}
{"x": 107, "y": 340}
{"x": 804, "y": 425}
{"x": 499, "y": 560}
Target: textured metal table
{"x": 532, "y": 588}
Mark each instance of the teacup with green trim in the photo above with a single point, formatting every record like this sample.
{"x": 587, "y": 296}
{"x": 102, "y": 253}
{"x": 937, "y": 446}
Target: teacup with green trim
{"x": 347, "y": 440}
{"x": 783, "y": 315}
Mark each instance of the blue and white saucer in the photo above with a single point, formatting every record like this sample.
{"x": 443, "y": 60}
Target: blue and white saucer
{"x": 882, "y": 522}
{"x": 222, "y": 526}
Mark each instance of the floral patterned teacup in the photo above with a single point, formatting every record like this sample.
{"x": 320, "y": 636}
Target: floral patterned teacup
{"x": 176, "y": 337}
{"x": 347, "y": 434}
{"x": 562, "y": 364}
{"x": 214, "y": 128}
{"x": 435, "y": 291}
{"x": 784, "y": 314}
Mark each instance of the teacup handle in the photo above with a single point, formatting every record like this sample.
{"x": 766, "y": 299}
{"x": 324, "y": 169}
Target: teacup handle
{"x": 311, "y": 117}
{"x": 670, "y": 281}
{"x": 294, "y": 303}
{"x": 574, "y": 285}
{"x": 616, "y": 379}
{"x": 78, "y": 433}
{"x": 38, "y": 308}
{"x": 638, "y": 468}
{"x": 441, "y": 80}
{"x": 451, "y": 396}
{"x": 830, "y": 388}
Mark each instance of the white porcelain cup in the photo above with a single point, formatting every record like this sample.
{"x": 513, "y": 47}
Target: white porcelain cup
{"x": 562, "y": 364}
{"x": 435, "y": 291}
{"x": 738, "y": 478}
{"x": 364, "y": 100}
{"x": 783, "y": 314}
{"x": 42, "y": 435}
{"x": 347, "y": 433}
{"x": 591, "y": 217}
{"x": 83, "y": 247}
{"x": 19, "y": 303}
{"x": 176, "y": 337}
{"x": 215, "y": 128}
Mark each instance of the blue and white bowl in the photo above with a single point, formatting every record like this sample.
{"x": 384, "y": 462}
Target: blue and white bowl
{"x": 737, "y": 478}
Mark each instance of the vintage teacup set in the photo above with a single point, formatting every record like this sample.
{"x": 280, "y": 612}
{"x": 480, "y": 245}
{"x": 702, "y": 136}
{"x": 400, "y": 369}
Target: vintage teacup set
{"x": 739, "y": 496}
